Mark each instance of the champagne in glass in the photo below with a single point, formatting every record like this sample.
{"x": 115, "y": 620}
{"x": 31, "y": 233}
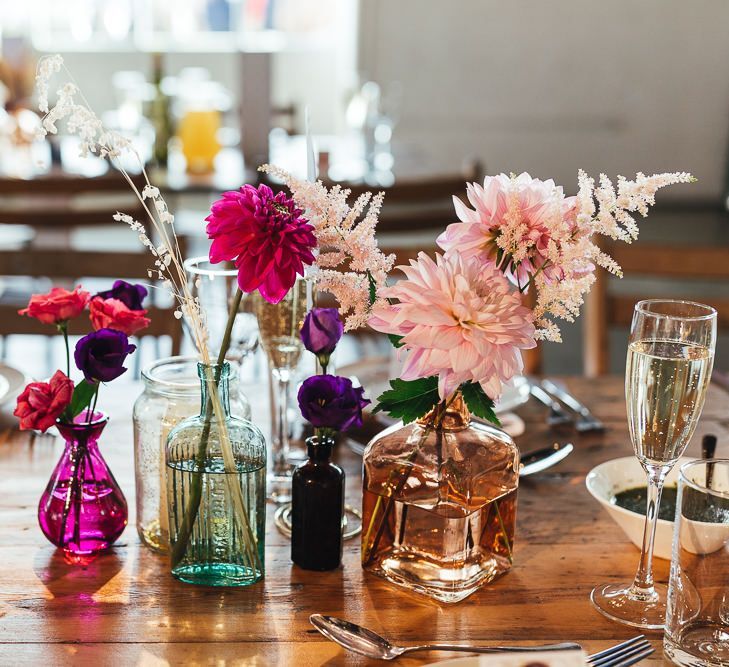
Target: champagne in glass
{"x": 280, "y": 326}
{"x": 665, "y": 387}
{"x": 670, "y": 356}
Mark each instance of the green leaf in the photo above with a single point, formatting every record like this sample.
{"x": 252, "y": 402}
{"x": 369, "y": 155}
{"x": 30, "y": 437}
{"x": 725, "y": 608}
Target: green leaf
{"x": 373, "y": 287}
{"x": 409, "y": 400}
{"x": 478, "y": 403}
{"x": 395, "y": 340}
{"x": 83, "y": 393}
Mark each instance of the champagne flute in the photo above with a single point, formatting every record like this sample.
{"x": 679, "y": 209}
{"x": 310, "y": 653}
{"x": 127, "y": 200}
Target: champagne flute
{"x": 280, "y": 326}
{"x": 670, "y": 356}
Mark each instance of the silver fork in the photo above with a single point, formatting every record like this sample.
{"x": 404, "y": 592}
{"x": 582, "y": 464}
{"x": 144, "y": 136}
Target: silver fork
{"x": 557, "y": 415}
{"x": 621, "y": 655}
{"x": 586, "y": 421}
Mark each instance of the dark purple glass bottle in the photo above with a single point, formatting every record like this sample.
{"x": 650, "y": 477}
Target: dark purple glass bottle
{"x": 317, "y": 509}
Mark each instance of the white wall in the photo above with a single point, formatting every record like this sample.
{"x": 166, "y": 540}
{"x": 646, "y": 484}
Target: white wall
{"x": 548, "y": 86}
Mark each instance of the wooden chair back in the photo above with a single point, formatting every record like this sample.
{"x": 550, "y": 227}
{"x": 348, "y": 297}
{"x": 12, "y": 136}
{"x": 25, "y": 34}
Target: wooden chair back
{"x": 57, "y": 205}
{"x": 684, "y": 263}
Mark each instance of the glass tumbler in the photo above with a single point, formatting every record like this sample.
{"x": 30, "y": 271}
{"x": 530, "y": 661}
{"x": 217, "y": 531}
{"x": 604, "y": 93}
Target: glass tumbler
{"x": 697, "y": 619}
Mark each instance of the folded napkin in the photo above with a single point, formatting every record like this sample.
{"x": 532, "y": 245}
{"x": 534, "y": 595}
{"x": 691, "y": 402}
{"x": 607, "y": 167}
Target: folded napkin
{"x": 540, "y": 659}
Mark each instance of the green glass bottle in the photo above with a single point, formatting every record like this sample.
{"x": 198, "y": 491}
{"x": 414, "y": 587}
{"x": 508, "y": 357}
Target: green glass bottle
{"x": 216, "y": 492}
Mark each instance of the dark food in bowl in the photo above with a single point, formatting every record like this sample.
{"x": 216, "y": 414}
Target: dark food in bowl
{"x": 636, "y": 500}
{"x": 697, "y": 507}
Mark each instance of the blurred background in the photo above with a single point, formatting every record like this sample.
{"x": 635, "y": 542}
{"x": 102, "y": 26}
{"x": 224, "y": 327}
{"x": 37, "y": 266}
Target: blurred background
{"x": 412, "y": 97}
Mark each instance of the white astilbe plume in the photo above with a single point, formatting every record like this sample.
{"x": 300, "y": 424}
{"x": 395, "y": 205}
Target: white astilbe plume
{"x": 546, "y": 241}
{"x": 82, "y": 122}
{"x": 597, "y": 211}
{"x": 347, "y": 245}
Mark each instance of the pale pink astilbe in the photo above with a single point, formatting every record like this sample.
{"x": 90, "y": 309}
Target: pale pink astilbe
{"x": 532, "y": 232}
{"x": 347, "y": 245}
{"x": 459, "y": 320}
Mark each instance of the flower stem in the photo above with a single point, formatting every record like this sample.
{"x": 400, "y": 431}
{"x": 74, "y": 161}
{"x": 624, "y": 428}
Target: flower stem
{"x": 193, "y": 504}
{"x": 435, "y": 422}
{"x": 63, "y": 327}
{"x": 92, "y": 410}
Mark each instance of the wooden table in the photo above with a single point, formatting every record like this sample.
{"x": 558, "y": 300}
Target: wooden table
{"x": 126, "y": 609}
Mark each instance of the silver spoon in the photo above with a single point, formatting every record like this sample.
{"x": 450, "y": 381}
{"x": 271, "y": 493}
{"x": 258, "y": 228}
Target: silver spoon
{"x": 365, "y": 642}
{"x": 541, "y": 459}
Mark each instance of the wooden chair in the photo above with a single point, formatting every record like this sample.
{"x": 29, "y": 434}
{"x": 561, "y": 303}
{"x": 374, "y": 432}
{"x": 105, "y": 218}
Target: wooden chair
{"x": 57, "y": 205}
{"x": 684, "y": 263}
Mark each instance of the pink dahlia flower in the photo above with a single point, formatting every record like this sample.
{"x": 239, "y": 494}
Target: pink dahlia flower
{"x": 264, "y": 235}
{"x": 520, "y": 217}
{"x": 459, "y": 320}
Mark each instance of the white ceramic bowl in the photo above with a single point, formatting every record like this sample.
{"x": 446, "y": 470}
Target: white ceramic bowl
{"x": 617, "y": 475}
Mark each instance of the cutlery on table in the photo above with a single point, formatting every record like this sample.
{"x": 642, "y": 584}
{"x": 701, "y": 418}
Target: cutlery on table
{"x": 541, "y": 459}
{"x": 622, "y": 655}
{"x": 360, "y": 640}
{"x": 708, "y": 451}
{"x": 557, "y": 414}
{"x": 586, "y": 421}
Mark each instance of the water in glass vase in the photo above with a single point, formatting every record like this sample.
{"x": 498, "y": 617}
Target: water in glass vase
{"x": 439, "y": 505}
{"x": 446, "y": 551}
{"x": 214, "y": 556}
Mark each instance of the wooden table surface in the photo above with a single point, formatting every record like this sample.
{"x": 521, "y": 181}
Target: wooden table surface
{"x": 126, "y": 609}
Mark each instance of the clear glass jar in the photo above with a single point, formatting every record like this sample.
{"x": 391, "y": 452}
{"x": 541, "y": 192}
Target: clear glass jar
{"x": 439, "y": 505}
{"x": 216, "y": 491}
{"x": 171, "y": 394}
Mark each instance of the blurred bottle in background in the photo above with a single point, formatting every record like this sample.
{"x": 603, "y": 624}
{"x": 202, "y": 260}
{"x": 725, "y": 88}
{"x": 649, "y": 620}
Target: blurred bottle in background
{"x": 160, "y": 114}
{"x": 202, "y": 103}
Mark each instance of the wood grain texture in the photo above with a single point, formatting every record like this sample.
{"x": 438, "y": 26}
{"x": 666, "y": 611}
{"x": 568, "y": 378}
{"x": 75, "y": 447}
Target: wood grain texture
{"x": 125, "y": 608}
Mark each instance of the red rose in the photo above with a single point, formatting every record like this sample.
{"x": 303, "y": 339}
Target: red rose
{"x": 41, "y": 403}
{"x": 59, "y": 305}
{"x": 114, "y": 314}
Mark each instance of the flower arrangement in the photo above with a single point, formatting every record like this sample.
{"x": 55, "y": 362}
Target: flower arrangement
{"x": 459, "y": 320}
{"x": 83, "y": 510}
{"x": 159, "y": 237}
{"x": 100, "y": 355}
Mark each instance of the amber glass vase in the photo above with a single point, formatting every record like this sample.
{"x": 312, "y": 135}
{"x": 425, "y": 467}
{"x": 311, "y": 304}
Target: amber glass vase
{"x": 439, "y": 505}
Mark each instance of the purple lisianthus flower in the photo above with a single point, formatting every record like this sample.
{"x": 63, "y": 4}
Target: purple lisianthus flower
{"x": 330, "y": 401}
{"x": 130, "y": 295}
{"x": 321, "y": 332}
{"x": 100, "y": 356}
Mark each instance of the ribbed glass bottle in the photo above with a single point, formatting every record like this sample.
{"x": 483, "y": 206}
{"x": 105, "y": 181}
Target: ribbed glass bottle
{"x": 216, "y": 491}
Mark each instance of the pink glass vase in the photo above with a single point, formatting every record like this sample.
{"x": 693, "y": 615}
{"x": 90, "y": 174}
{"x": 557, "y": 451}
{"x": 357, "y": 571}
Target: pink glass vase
{"x": 83, "y": 510}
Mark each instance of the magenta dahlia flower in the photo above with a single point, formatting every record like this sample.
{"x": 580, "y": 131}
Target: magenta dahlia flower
{"x": 265, "y": 236}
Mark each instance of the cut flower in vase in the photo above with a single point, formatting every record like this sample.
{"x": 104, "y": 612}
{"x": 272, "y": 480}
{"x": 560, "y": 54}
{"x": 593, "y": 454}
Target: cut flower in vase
{"x": 544, "y": 240}
{"x": 264, "y": 235}
{"x": 457, "y": 319}
{"x": 439, "y": 492}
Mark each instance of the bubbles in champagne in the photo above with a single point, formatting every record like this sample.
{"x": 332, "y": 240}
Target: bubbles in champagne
{"x": 280, "y": 326}
{"x": 665, "y": 388}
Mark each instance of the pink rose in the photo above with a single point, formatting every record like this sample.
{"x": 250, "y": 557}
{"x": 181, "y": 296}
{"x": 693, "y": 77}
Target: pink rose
{"x": 41, "y": 403}
{"x": 114, "y": 314}
{"x": 59, "y": 305}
